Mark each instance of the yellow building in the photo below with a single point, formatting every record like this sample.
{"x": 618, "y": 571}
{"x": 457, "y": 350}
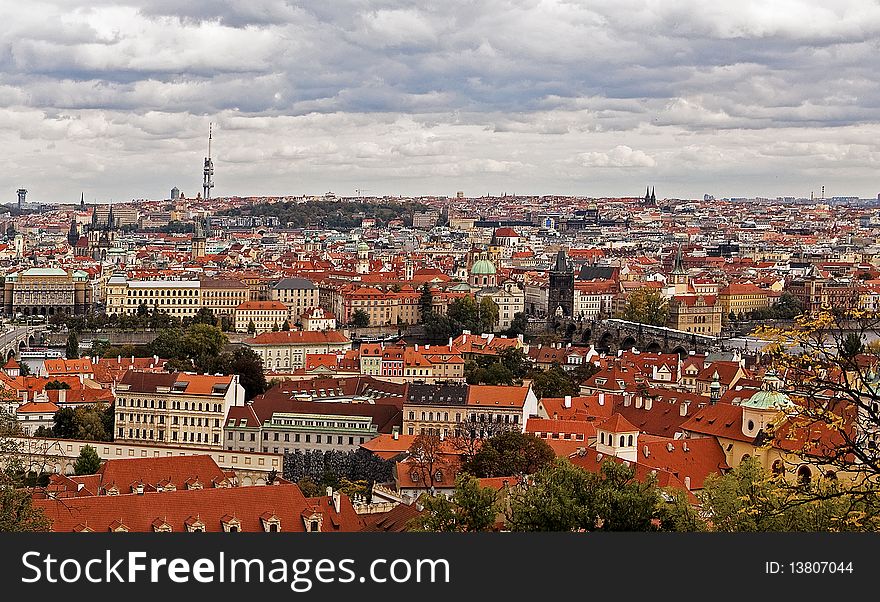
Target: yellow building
{"x": 699, "y": 314}
{"x": 264, "y": 315}
{"x": 741, "y": 299}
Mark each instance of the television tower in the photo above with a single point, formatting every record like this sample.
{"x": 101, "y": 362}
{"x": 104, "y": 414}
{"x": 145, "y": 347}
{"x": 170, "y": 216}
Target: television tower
{"x": 208, "y": 182}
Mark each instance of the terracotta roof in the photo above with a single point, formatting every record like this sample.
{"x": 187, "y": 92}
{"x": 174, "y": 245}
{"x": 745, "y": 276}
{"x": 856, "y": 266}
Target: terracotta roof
{"x": 497, "y": 396}
{"x": 395, "y": 520}
{"x": 719, "y": 420}
{"x": 617, "y": 424}
{"x": 299, "y": 337}
{"x": 248, "y": 505}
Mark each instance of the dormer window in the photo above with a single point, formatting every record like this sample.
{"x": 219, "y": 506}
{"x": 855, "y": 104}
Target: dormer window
{"x": 161, "y": 526}
{"x": 271, "y": 523}
{"x": 230, "y": 524}
{"x": 194, "y": 525}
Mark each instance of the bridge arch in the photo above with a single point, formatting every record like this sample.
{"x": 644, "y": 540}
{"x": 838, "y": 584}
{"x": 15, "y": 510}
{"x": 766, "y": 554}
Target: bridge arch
{"x": 31, "y": 341}
{"x": 10, "y": 354}
{"x": 681, "y": 351}
{"x": 654, "y": 347}
{"x": 605, "y": 341}
{"x": 628, "y": 343}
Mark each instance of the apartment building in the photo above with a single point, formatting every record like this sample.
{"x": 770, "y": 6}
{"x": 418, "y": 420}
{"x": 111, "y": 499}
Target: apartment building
{"x": 178, "y": 298}
{"x": 285, "y": 351}
{"x": 177, "y": 407}
{"x": 298, "y": 294}
{"x": 264, "y": 315}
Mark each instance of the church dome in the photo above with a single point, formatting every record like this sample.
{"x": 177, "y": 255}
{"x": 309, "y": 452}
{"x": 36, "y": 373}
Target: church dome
{"x": 768, "y": 400}
{"x": 362, "y": 246}
{"x": 483, "y": 267}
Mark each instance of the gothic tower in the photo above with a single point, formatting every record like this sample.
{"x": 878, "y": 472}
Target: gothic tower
{"x": 560, "y": 297}
{"x": 679, "y": 276}
{"x": 199, "y": 241}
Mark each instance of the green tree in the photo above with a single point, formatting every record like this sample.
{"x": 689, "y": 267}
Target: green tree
{"x": 56, "y": 384}
{"x": 87, "y": 462}
{"x": 23, "y": 368}
{"x": 647, "y": 307}
{"x": 71, "y": 350}
{"x": 471, "y": 508}
{"x": 360, "y": 318}
{"x": 488, "y": 315}
{"x": 518, "y": 325}
{"x": 285, "y": 326}
{"x": 851, "y": 346}
{"x": 426, "y": 302}
{"x": 510, "y": 453}
{"x": 89, "y": 423}
{"x": 555, "y": 382}
{"x": 245, "y": 362}
{"x": 65, "y": 425}
{"x": 749, "y": 499}
{"x": 252, "y": 328}
{"x": 564, "y": 497}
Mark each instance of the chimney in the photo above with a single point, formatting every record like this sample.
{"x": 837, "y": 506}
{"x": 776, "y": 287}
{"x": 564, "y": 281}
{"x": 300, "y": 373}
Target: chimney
{"x": 132, "y": 359}
{"x": 118, "y": 359}
{"x": 417, "y": 346}
{"x": 62, "y": 395}
{"x": 395, "y": 433}
{"x": 329, "y": 492}
{"x": 567, "y": 401}
{"x": 601, "y": 398}
{"x": 683, "y": 408}
{"x": 337, "y": 500}
{"x": 687, "y": 483}
{"x": 645, "y": 451}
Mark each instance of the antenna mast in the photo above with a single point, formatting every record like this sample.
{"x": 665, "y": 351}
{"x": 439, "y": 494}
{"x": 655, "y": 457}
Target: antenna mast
{"x": 208, "y": 182}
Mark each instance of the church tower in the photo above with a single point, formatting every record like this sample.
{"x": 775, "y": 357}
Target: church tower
{"x": 560, "y": 297}
{"x": 679, "y": 276}
{"x": 199, "y": 241}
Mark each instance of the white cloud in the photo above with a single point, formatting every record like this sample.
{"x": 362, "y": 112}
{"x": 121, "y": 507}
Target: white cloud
{"x": 619, "y": 156}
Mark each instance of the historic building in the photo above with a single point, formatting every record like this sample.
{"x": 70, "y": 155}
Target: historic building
{"x": 298, "y": 294}
{"x": 47, "y": 291}
{"x": 263, "y": 315}
{"x": 560, "y": 296}
{"x": 176, "y": 407}
{"x": 286, "y": 351}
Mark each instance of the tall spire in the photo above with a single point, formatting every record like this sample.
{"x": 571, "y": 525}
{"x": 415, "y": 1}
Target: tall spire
{"x": 208, "y": 182}
{"x": 678, "y": 266}
{"x": 653, "y": 198}
{"x": 647, "y": 195}
{"x": 110, "y": 223}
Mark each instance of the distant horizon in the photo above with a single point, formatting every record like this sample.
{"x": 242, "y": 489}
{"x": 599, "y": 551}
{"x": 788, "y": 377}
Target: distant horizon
{"x": 116, "y": 98}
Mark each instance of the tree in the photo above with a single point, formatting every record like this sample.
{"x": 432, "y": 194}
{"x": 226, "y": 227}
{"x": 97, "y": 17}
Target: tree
{"x": 426, "y": 302}
{"x": 360, "y": 318}
{"x": 245, "y": 362}
{"x": 87, "y": 462}
{"x": 56, "y": 384}
{"x": 510, "y": 453}
{"x": 252, "y": 328}
{"x": 71, "y": 350}
{"x": 555, "y": 382}
{"x": 564, "y": 497}
{"x": 830, "y": 378}
{"x": 425, "y": 456}
{"x": 89, "y": 422}
{"x": 646, "y": 307}
{"x": 285, "y": 326}
{"x": 471, "y": 508}
{"x": 23, "y": 368}
{"x": 749, "y": 499}
{"x": 275, "y": 327}
{"x": 518, "y": 325}
{"x": 488, "y": 315}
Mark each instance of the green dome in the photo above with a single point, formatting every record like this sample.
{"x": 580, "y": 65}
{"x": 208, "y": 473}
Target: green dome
{"x": 768, "y": 400}
{"x": 483, "y": 267}
{"x": 362, "y": 246}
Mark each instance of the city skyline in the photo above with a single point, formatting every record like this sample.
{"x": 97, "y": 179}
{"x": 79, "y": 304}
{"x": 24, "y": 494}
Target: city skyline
{"x": 736, "y": 100}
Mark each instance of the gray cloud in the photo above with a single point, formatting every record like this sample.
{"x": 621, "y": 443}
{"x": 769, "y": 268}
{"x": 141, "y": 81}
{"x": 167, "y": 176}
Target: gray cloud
{"x": 427, "y": 97}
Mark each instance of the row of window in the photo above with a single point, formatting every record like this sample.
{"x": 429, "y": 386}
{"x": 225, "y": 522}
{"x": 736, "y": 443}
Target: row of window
{"x": 159, "y": 435}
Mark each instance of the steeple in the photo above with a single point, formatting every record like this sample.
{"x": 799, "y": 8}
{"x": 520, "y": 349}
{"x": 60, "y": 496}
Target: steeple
{"x": 110, "y": 224}
{"x": 678, "y": 266}
{"x": 73, "y": 233}
{"x": 715, "y": 389}
{"x": 561, "y": 264}
{"x": 82, "y": 201}
{"x": 647, "y": 196}
{"x": 653, "y": 198}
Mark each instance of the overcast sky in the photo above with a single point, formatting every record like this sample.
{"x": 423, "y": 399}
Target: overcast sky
{"x": 731, "y": 98}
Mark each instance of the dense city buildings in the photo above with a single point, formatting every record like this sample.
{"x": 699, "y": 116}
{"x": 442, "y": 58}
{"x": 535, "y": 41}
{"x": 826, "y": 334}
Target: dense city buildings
{"x": 246, "y": 329}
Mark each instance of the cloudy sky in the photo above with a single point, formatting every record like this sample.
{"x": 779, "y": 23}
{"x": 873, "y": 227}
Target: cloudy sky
{"x": 592, "y": 97}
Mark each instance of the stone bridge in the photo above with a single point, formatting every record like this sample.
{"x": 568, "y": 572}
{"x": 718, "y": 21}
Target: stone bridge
{"x": 613, "y": 335}
{"x": 18, "y": 338}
